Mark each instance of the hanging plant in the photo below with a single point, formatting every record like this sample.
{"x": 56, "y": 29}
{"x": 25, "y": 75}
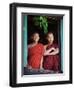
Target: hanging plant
{"x": 42, "y": 22}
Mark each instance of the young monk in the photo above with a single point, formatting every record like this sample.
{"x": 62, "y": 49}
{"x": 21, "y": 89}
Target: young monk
{"x": 51, "y": 55}
{"x": 35, "y": 52}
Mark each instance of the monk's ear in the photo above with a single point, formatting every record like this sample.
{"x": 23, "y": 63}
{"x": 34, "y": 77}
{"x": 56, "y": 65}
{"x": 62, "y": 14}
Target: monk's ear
{"x": 39, "y": 37}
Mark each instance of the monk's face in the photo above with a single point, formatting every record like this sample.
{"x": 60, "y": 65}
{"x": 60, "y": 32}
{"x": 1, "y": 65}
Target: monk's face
{"x": 50, "y": 37}
{"x": 35, "y": 37}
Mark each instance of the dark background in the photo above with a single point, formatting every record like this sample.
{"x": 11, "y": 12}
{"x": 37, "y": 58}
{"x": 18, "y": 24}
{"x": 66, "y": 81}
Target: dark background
{"x": 53, "y": 26}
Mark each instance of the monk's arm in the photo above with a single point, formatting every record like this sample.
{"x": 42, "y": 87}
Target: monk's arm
{"x": 48, "y": 51}
{"x": 41, "y": 63}
{"x": 56, "y": 51}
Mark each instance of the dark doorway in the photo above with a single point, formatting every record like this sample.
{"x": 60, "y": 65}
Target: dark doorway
{"x": 54, "y": 26}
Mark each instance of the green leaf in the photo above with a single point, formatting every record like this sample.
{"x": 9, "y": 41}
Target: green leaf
{"x": 41, "y": 21}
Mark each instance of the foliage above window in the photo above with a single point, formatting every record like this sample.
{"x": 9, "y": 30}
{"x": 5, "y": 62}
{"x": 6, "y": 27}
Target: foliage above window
{"x": 42, "y": 22}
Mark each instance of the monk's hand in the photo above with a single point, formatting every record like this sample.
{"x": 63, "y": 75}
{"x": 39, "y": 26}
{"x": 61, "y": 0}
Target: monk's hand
{"x": 53, "y": 49}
